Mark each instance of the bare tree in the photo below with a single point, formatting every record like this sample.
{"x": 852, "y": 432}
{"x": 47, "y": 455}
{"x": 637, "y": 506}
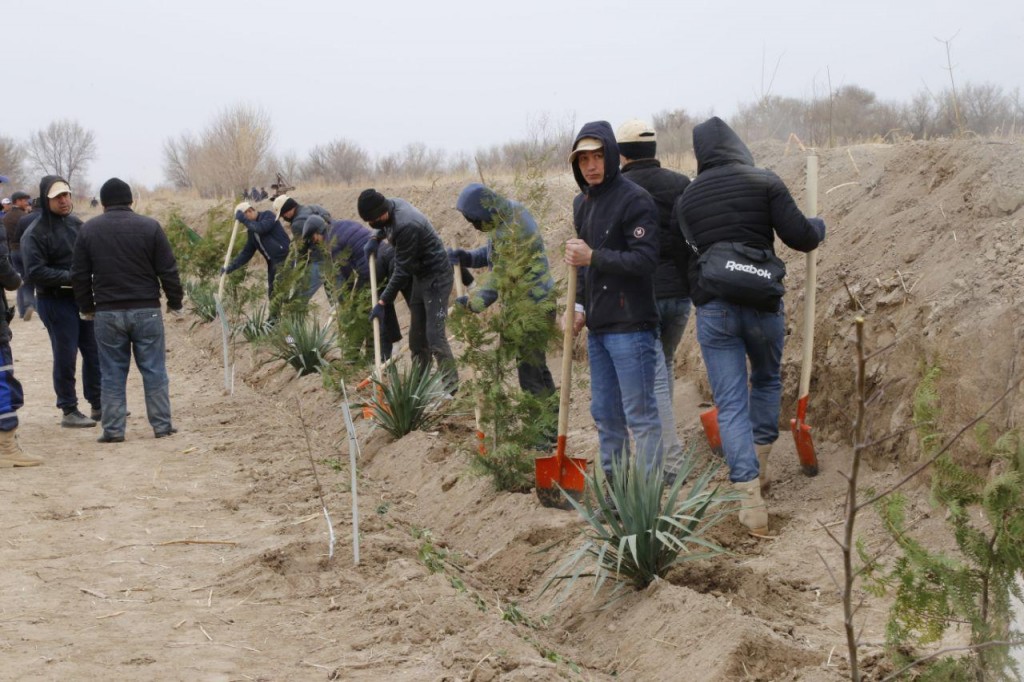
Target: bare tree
{"x": 63, "y": 148}
{"x": 179, "y": 158}
{"x": 337, "y": 161}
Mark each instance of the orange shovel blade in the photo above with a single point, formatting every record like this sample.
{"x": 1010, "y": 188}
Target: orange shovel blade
{"x": 559, "y": 474}
{"x": 709, "y": 420}
{"x": 804, "y": 443}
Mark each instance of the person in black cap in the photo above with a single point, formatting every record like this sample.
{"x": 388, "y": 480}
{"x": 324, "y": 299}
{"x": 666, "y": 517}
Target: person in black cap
{"x": 26, "y": 296}
{"x": 121, "y": 261}
{"x": 422, "y": 262}
{"x": 46, "y": 247}
{"x": 295, "y": 215}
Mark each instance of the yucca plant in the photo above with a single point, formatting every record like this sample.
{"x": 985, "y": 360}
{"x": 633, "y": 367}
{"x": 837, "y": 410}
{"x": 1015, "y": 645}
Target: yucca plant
{"x": 638, "y": 531}
{"x": 201, "y": 300}
{"x": 409, "y": 400}
{"x": 255, "y": 326}
{"x": 303, "y": 343}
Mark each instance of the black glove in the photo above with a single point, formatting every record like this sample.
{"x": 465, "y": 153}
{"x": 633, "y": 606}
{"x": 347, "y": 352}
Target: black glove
{"x": 460, "y": 256}
{"x": 462, "y": 301}
{"x": 371, "y": 246}
{"x": 819, "y": 226}
{"x": 377, "y": 312}
{"x": 240, "y": 216}
{"x": 223, "y": 271}
{"x": 467, "y": 276}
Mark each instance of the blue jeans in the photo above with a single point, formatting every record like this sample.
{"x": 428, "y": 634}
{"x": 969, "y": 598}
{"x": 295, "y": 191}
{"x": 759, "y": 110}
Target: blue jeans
{"x": 119, "y": 334}
{"x": 11, "y": 395}
{"x": 673, "y": 449}
{"x": 26, "y": 292}
{"x": 729, "y": 335}
{"x": 622, "y": 369}
{"x": 70, "y": 335}
{"x": 674, "y": 312}
{"x": 316, "y": 280}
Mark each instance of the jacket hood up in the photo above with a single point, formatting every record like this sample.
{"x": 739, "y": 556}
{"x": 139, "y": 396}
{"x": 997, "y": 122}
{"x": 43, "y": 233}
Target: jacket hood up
{"x": 716, "y": 144}
{"x": 482, "y": 204}
{"x": 602, "y": 130}
{"x": 44, "y": 204}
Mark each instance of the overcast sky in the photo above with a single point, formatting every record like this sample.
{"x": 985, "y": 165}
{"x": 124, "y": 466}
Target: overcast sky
{"x": 462, "y": 74}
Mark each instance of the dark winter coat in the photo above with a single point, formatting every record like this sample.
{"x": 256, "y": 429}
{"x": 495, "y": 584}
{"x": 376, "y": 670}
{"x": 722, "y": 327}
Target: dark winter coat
{"x": 731, "y": 200}
{"x": 22, "y": 225}
{"x": 619, "y": 221}
{"x": 419, "y": 252}
{"x": 47, "y": 247}
{"x": 11, "y": 227}
{"x": 264, "y": 234}
{"x": 349, "y": 236}
{"x": 502, "y": 217}
{"x": 665, "y": 187}
{"x": 9, "y": 280}
{"x": 121, "y": 261}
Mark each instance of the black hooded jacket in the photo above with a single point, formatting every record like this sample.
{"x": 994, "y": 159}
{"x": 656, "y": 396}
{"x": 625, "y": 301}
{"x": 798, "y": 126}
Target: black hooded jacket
{"x": 619, "y": 221}
{"x": 665, "y": 187}
{"x": 47, "y": 247}
{"x": 731, "y": 200}
{"x": 419, "y": 252}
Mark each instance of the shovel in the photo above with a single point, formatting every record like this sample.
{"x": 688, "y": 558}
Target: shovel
{"x": 709, "y": 420}
{"x": 801, "y": 429}
{"x": 560, "y": 474}
{"x": 219, "y": 302}
{"x": 481, "y": 447}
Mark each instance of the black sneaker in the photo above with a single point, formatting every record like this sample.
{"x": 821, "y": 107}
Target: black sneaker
{"x": 107, "y": 438}
{"x": 76, "y": 420}
{"x": 96, "y": 414}
{"x": 163, "y": 434}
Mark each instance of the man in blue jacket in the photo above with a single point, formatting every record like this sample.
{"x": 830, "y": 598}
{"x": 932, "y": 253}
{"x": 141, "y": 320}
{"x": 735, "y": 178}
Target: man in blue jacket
{"x": 503, "y": 219}
{"x": 616, "y": 251}
{"x": 264, "y": 234}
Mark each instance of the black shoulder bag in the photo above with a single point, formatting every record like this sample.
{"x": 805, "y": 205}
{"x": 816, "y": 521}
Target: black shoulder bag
{"x": 744, "y": 274}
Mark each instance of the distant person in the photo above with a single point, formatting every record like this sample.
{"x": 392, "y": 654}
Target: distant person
{"x": 264, "y": 234}
{"x": 421, "y": 263}
{"x": 502, "y": 219}
{"x": 245, "y": 194}
{"x": 295, "y": 214}
{"x": 731, "y": 200}
{"x": 5, "y": 205}
{"x": 93, "y": 203}
{"x": 12, "y": 397}
{"x": 20, "y": 207}
{"x": 638, "y": 142}
{"x": 254, "y": 194}
{"x": 263, "y": 193}
{"x": 121, "y": 262}
{"x": 344, "y": 241}
{"x": 616, "y": 253}
{"x": 47, "y": 247}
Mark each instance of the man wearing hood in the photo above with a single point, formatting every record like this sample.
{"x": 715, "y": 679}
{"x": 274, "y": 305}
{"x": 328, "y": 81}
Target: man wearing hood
{"x": 345, "y": 242}
{"x": 503, "y": 219}
{"x": 296, "y": 214}
{"x": 47, "y": 247}
{"x": 421, "y": 266}
{"x": 733, "y": 201}
{"x": 121, "y": 262}
{"x": 616, "y": 253}
{"x": 263, "y": 233}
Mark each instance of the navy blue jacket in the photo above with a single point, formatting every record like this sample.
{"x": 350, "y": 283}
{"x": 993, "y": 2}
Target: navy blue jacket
{"x": 731, "y": 200}
{"x": 502, "y": 218}
{"x": 349, "y": 236}
{"x": 619, "y": 221}
{"x": 265, "y": 235}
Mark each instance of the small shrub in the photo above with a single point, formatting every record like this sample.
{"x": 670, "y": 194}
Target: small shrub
{"x": 303, "y": 343}
{"x": 410, "y": 399}
{"x": 510, "y": 467}
{"x": 202, "y": 300}
{"x": 636, "y": 533}
{"x": 255, "y": 326}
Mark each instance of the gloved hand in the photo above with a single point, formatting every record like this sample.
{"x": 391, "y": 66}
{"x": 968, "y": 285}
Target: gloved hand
{"x": 377, "y": 312}
{"x": 819, "y": 225}
{"x": 223, "y": 271}
{"x": 462, "y": 301}
{"x": 240, "y": 216}
{"x": 371, "y": 246}
{"x": 460, "y": 256}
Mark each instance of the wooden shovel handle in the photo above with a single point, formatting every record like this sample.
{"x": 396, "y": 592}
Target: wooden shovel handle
{"x": 570, "y": 315}
{"x": 376, "y": 322}
{"x": 810, "y": 282}
{"x": 227, "y": 259}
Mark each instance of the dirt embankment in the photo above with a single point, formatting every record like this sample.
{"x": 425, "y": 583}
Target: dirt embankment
{"x": 203, "y": 556}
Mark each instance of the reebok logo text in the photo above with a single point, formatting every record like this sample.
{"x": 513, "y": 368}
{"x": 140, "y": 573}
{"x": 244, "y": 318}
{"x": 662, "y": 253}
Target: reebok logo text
{"x": 752, "y": 269}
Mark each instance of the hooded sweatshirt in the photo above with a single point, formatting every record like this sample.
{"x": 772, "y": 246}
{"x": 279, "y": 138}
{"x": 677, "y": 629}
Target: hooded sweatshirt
{"x": 47, "y": 246}
{"x": 618, "y": 220}
{"x": 731, "y": 200}
{"x": 502, "y": 218}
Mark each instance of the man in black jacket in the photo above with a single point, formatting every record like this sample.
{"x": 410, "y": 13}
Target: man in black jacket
{"x": 296, "y": 214}
{"x": 616, "y": 251}
{"x": 121, "y": 261}
{"x": 420, "y": 267}
{"x": 733, "y": 201}
{"x": 46, "y": 248}
{"x": 638, "y": 144}
{"x": 19, "y": 209}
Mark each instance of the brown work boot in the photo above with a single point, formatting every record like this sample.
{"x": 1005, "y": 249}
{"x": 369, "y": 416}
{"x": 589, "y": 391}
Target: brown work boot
{"x": 753, "y": 513}
{"x": 763, "y": 449}
{"x": 11, "y": 454}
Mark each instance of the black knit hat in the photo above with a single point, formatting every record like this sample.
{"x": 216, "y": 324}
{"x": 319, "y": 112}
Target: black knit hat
{"x": 115, "y": 192}
{"x": 372, "y": 205}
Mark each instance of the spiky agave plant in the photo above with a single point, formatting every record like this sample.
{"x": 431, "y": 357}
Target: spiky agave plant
{"x": 255, "y": 326}
{"x": 638, "y": 531}
{"x": 303, "y": 343}
{"x": 201, "y": 300}
{"x": 410, "y": 399}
